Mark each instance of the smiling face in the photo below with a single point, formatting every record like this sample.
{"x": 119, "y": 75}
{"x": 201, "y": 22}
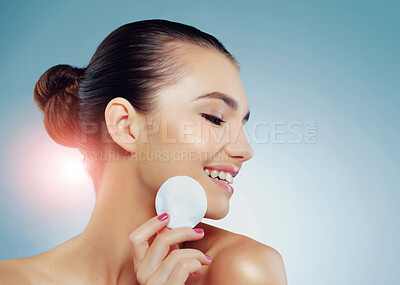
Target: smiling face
{"x": 198, "y": 126}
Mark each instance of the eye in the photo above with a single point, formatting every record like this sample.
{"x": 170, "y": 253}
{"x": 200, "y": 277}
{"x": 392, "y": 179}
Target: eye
{"x": 214, "y": 120}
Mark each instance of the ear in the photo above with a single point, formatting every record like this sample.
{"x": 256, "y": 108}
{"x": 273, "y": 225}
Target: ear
{"x": 123, "y": 123}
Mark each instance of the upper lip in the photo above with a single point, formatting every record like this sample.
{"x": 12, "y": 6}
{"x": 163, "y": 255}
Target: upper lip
{"x": 227, "y": 168}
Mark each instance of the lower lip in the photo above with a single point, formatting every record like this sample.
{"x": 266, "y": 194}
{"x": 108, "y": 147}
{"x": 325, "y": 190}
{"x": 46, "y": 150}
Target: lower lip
{"x": 223, "y": 184}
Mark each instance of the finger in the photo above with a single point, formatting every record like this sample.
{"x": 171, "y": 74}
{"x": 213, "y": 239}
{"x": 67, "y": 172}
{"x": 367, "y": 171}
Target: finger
{"x": 167, "y": 266}
{"x": 182, "y": 271}
{"x": 139, "y": 237}
{"x": 173, "y": 247}
{"x": 161, "y": 245}
{"x": 164, "y": 229}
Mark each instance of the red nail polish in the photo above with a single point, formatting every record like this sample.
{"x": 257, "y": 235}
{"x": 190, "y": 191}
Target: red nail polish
{"x": 163, "y": 217}
{"x": 209, "y": 257}
{"x": 199, "y": 230}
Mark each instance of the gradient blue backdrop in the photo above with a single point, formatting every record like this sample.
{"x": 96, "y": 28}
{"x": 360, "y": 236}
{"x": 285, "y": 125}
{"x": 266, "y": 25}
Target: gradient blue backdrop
{"x": 329, "y": 206}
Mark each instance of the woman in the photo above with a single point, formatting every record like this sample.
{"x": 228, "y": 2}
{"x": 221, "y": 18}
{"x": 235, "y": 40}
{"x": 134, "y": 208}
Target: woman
{"x": 158, "y": 99}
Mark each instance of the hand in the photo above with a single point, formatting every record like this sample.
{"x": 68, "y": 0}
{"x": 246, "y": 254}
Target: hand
{"x": 163, "y": 263}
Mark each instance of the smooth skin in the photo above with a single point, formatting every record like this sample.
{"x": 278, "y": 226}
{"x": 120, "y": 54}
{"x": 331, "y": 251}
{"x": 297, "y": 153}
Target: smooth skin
{"x": 124, "y": 242}
{"x": 158, "y": 264}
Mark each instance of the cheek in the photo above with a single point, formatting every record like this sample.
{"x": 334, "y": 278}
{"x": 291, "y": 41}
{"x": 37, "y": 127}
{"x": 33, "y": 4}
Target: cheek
{"x": 212, "y": 138}
{"x": 179, "y": 149}
{"x": 169, "y": 153}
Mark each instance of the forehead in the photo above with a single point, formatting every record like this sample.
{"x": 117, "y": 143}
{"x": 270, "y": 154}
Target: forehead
{"x": 208, "y": 71}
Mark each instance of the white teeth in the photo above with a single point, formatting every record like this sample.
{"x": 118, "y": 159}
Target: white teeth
{"x": 220, "y": 175}
{"x": 229, "y": 177}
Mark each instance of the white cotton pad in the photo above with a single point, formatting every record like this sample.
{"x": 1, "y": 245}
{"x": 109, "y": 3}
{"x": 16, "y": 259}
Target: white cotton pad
{"x": 183, "y": 199}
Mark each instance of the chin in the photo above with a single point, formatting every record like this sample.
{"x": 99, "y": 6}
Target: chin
{"x": 217, "y": 211}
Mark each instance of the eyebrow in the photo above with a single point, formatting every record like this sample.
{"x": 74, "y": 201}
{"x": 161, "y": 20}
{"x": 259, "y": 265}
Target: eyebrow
{"x": 232, "y": 103}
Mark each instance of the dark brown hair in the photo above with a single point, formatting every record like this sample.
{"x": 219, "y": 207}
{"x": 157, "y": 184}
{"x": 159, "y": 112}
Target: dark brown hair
{"x": 134, "y": 62}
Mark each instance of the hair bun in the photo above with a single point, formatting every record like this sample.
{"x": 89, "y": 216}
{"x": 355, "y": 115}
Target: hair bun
{"x": 56, "y": 94}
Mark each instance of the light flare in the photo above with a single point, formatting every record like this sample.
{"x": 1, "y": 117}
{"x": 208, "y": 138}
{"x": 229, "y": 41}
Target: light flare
{"x": 46, "y": 177}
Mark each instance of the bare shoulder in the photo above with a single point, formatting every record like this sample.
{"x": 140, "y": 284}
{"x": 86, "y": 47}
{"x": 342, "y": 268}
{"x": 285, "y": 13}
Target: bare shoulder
{"x": 26, "y": 270}
{"x": 12, "y": 271}
{"x": 246, "y": 261}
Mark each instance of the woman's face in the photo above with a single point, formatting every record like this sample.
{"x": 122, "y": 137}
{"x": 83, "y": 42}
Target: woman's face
{"x": 190, "y": 134}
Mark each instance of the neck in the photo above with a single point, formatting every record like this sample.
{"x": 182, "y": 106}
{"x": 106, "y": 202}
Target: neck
{"x": 122, "y": 205}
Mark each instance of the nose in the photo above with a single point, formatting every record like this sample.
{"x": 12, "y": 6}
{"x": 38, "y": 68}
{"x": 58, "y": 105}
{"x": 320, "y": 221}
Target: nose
{"x": 238, "y": 147}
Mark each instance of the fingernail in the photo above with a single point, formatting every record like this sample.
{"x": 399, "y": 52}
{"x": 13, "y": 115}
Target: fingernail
{"x": 163, "y": 217}
{"x": 209, "y": 257}
{"x": 199, "y": 230}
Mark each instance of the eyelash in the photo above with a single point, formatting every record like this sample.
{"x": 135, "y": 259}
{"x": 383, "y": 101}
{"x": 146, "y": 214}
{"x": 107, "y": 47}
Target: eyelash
{"x": 214, "y": 120}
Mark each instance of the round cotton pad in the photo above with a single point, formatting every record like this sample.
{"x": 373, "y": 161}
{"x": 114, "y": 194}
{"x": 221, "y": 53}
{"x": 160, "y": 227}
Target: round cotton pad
{"x": 183, "y": 199}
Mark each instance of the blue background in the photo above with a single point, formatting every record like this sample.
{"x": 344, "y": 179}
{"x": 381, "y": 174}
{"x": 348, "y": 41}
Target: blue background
{"x": 329, "y": 205}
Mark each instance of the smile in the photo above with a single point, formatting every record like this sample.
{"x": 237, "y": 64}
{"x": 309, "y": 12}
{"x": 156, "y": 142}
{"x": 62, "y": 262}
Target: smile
{"x": 221, "y": 178}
